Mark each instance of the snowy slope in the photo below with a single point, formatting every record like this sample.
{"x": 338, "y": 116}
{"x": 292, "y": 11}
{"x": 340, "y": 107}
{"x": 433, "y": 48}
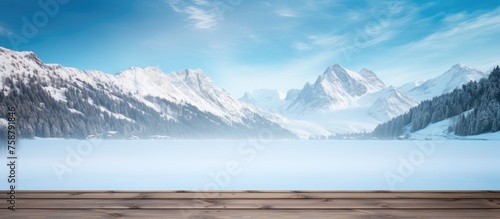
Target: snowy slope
{"x": 189, "y": 86}
{"x": 340, "y": 101}
{"x": 178, "y": 96}
{"x": 271, "y": 104}
{"x": 410, "y": 86}
{"x": 265, "y": 99}
{"x": 440, "y": 131}
{"x": 371, "y": 80}
{"x": 302, "y": 128}
{"x": 337, "y": 88}
{"x": 390, "y": 104}
{"x": 29, "y": 65}
{"x": 454, "y": 78}
{"x": 292, "y": 94}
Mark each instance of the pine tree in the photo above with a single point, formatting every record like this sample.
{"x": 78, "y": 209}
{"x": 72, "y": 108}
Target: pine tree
{"x": 482, "y": 97}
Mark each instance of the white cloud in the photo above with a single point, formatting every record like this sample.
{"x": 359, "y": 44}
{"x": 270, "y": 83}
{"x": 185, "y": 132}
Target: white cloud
{"x": 461, "y": 32}
{"x": 470, "y": 38}
{"x": 202, "y": 2}
{"x": 5, "y": 32}
{"x": 326, "y": 40}
{"x": 301, "y": 46}
{"x": 382, "y": 24}
{"x": 318, "y": 5}
{"x": 202, "y": 19}
{"x": 285, "y": 12}
{"x": 387, "y": 23}
{"x": 176, "y": 5}
{"x": 201, "y": 13}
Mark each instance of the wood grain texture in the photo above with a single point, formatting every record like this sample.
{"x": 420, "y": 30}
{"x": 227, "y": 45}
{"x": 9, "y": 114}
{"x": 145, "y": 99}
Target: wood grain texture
{"x": 253, "y": 194}
{"x": 273, "y": 214}
{"x": 253, "y": 204}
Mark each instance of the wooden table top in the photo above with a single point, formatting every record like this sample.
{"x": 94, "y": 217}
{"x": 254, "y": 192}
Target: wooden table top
{"x": 253, "y": 204}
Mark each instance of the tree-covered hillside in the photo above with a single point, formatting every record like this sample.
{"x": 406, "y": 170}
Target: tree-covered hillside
{"x": 477, "y": 105}
{"x": 88, "y": 111}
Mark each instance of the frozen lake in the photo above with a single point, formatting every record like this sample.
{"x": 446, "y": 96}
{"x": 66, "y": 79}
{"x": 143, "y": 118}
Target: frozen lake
{"x": 255, "y": 165}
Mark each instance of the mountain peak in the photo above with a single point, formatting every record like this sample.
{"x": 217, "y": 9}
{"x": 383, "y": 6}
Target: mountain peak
{"x": 191, "y": 73}
{"x": 126, "y": 103}
{"x": 335, "y": 73}
{"x": 23, "y": 54}
{"x": 455, "y": 77}
{"x": 153, "y": 68}
{"x": 459, "y": 65}
{"x": 355, "y": 83}
{"x": 5, "y": 50}
{"x": 367, "y": 72}
{"x": 461, "y": 70}
{"x": 194, "y": 76}
{"x": 335, "y": 69}
{"x": 145, "y": 69}
{"x": 32, "y": 56}
{"x": 337, "y": 66}
{"x": 391, "y": 103}
{"x": 464, "y": 68}
{"x": 135, "y": 71}
{"x": 374, "y": 83}
{"x": 337, "y": 88}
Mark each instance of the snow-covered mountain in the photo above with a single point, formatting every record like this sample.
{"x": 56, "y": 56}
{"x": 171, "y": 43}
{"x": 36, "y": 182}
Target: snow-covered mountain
{"x": 337, "y": 88}
{"x": 410, "y": 85}
{"x": 391, "y": 103}
{"x": 138, "y": 101}
{"x": 472, "y": 111}
{"x": 457, "y": 76}
{"x": 271, "y": 104}
{"x": 265, "y": 99}
{"x": 58, "y": 100}
{"x": 340, "y": 101}
{"x": 190, "y": 86}
{"x": 302, "y": 128}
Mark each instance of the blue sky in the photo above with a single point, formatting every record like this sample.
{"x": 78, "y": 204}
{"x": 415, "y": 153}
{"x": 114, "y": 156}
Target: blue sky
{"x": 249, "y": 44}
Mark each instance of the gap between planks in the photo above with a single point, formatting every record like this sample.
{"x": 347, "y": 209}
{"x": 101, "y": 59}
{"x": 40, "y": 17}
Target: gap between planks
{"x": 254, "y": 194}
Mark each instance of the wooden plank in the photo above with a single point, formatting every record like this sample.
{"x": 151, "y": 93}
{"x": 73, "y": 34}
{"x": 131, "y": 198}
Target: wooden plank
{"x": 264, "y": 191}
{"x": 254, "y": 204}
{"x": 248, "y": 195}
{"x": 249, "y": 204}
{"x": 275, "y": 214}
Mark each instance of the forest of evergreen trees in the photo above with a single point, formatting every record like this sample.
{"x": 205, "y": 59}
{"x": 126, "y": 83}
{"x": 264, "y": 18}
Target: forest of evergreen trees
{"x": 477, "y": 105}
{"x": 38, "y": 114}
